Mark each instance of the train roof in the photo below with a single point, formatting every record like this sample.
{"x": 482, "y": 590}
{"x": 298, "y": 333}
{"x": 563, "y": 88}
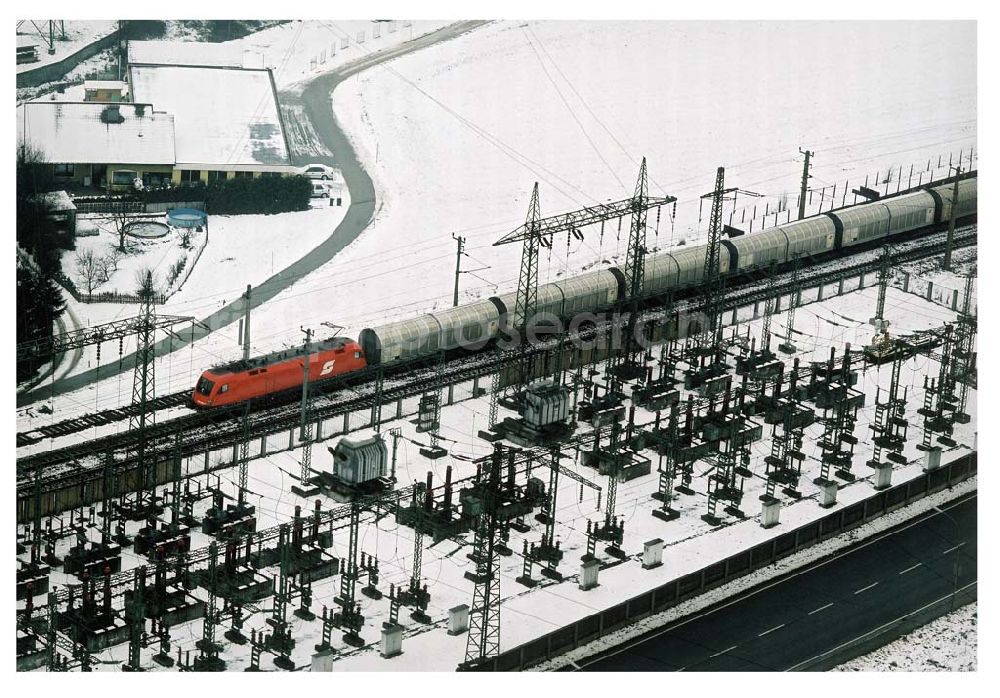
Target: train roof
{"x": 281, "y": 355}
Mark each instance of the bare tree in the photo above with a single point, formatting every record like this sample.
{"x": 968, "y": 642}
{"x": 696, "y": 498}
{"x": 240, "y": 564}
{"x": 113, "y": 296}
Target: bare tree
{"x": 113, "y": 258}
{"x": 88, "y": 269}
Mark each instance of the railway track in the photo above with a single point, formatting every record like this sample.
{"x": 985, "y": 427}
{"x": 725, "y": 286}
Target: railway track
{"x": 200, "y": 432}
{"x": 98, "y": 419}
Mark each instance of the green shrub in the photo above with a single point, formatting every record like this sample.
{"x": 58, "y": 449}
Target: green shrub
{"x": 241, "y": 195}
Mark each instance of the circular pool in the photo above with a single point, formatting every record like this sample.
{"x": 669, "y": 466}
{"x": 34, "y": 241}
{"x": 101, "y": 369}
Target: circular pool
{"x": 186, "y": 217}
{"x": 146, "y": 229}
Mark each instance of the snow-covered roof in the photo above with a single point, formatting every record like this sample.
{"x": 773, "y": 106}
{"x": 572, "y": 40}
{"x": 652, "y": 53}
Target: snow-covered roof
{"x": 73, "y": 132}
{"x": 224, "y": 116}
{"x": 103, "y": 85}
{"x": 185, "y": 53}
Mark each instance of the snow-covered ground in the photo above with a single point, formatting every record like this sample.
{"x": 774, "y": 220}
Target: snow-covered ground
{"x": 434, "y": 129}
{"x": 948, "y": 643}
{"x": 300, "y": 50}
{"x": 79, "y": 33}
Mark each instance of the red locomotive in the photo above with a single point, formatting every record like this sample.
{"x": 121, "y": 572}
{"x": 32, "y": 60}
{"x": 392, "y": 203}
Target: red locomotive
{"x": 281, "y": 370}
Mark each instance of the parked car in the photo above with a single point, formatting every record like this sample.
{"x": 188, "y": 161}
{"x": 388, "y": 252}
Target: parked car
{"x": 319, "y": 189}
{"x": 317, "y": 171}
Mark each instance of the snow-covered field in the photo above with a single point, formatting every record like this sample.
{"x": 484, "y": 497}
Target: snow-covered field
{"x": 435, "y": 130}
{"x": 452, "y": 160}
{"x": 300, "y": 50}
{"x": 948, "y": 643}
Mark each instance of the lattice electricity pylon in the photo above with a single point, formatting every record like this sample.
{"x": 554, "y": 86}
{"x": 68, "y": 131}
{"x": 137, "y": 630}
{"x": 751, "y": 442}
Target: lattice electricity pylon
{"x": 765, "y": 332}
{"x": 119, "y": 329}
{"x": 135, "y": 617}
{"x": 667, "y": 448}
{"x": 621, "y": 363}
{"x": 878, "y": 321}
{"x": 305, "y": 423}
{"x": 710, "y": 335}
{"x": 788, "y": 346}
{"x": 538, "y": 232}
{"x": 143, "y": 391}
{"x": 725, "y": 484}
{"x": 963, "y": 357}
{"x": 838, "y": 430}
{"x": 784, "y": 465}
{"x": 349, "y": 618}
{"x": 890, "y": 426}
{"x": 280, "y": 641}
{"x": 208, "y": 658}
{"x": 547, "y": 550}
{"x": 484, "y": 616}
{"x": 416, "y": 595}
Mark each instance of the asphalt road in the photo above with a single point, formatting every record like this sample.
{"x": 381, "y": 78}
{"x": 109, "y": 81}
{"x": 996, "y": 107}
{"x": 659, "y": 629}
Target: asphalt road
{"x": 802, "y": 621}
{"x": 316, "y": 98}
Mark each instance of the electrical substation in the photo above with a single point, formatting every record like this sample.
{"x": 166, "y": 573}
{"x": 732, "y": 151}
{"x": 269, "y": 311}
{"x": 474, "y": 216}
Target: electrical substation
{"x": 719, "y": 402}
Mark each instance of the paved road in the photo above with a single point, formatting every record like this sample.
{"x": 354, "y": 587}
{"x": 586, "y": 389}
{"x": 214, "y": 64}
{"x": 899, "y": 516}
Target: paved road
{"x": 794, "y": 622}
{"x": 318, "y": 106}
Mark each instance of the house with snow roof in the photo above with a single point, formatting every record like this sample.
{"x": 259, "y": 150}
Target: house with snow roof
{"x": 184, "y": 123}
{"x": 94, "y": 144}
{"x": 227, "y": 122}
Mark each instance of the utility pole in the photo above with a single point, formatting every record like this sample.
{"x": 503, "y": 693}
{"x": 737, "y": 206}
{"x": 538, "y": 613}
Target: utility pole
{"x": 458, "y": 264}
{"x": 245, "y": 436}
{"x": 143, "y": 388}
{"x": 305, "y": 426}
{"x": 951, "y": 220}
{"x": 805, "y": 183}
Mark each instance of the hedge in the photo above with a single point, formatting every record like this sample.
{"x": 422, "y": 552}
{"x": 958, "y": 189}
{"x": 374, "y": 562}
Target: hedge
{"x": 241, "y": 194}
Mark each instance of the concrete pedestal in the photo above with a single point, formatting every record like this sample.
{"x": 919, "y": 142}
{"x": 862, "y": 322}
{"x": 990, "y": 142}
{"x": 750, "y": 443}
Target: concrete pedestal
{"x": 323, "y": 660}
{"x": 770, "y": 509}
{"x": 307, "y": 490}
{"x": 392, "y": 640}
{"x": 458, "y": 619}
{"x": 932, "y": 459}
{"x": 883, "y": 476}
{"x": 588, "y": 574}
{"x": 652, "y": 554}
{"x": 828, "y": 494}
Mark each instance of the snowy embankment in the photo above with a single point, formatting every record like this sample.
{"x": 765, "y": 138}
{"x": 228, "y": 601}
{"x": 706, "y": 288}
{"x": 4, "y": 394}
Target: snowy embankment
{"x": 78, "y": 33}
{"x": 946, "y": 644}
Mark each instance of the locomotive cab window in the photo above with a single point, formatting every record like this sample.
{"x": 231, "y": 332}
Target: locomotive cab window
{"x": 224, "y": 388}
{"x": 357, "y": 355}
{"x": 204, "y": 386}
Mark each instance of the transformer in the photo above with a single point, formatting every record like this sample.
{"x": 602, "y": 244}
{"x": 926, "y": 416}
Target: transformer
{"x": 359, "y": 460}
{"x": 545, "y": 404}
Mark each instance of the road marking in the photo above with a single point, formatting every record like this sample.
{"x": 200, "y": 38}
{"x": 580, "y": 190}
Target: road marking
{"x": 725, "y": 650}
{"x": 777, "y": 627}
{"x": 910, "y": 569}
{"x": 866, "y": 588}
{"x": 876, "y": 631}
{"x": 954, "y": 547}
{"x": 821, "y": 608}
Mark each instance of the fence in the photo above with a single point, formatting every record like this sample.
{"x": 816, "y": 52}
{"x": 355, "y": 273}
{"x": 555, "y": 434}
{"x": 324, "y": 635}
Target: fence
{"x": 109, "y": 207}
{"x": 936, "y": 293}
{"x": 715, "y": 575}
{"x": 111, "y": 297}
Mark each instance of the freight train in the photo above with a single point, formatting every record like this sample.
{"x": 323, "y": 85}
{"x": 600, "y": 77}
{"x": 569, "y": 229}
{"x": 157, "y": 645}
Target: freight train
{"x": 476, "y": 324}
